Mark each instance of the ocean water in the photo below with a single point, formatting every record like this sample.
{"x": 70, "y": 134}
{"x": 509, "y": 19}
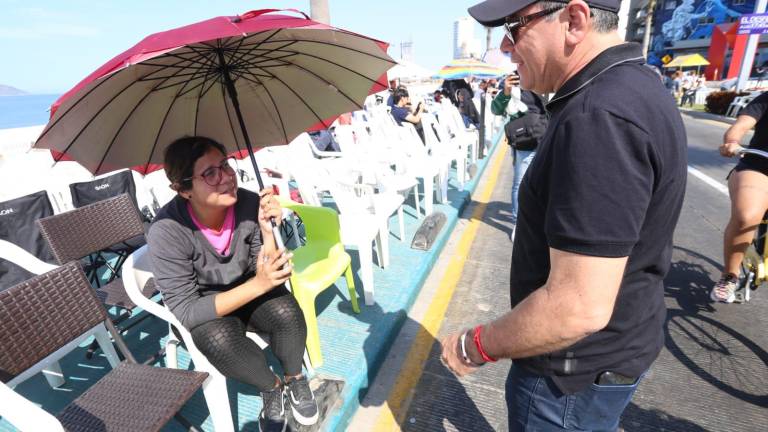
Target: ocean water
{"x": 27, "y": 110}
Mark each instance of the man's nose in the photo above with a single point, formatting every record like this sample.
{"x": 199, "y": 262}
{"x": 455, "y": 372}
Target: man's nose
{"x": 507, "y": 47}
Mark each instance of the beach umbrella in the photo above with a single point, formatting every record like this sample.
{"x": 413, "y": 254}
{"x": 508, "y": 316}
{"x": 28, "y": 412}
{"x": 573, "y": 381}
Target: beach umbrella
{"x": 463, "y": 68}
{"x": 691, "y": 60}
{"x": 248, "y": 81}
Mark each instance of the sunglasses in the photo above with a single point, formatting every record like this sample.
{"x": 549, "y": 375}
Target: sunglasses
{"x": 513, "y": 25}
{"x": 212, "y": 176}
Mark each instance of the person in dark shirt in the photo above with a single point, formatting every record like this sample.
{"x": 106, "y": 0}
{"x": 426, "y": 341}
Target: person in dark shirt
{"x": 597, "y": 212}
{"x": 748, "y": 186}
{"x": 467, "y": 108}
{"x": 402, "y": 112}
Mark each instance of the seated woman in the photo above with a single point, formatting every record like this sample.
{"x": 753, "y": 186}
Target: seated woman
{"x": 217, "y": 266}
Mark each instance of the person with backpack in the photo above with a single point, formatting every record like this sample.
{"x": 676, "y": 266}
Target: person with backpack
{"x": 527, "y": 123}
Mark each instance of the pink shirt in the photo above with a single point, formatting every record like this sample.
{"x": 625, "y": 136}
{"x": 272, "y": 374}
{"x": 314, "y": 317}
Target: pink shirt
{"x": 220, "y": 240}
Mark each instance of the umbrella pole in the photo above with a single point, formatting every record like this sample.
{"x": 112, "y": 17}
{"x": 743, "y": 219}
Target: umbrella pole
{"x": 236, "y": 104}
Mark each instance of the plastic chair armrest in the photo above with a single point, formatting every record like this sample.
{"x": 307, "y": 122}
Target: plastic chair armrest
{"x": 20, "y": 257}
{"x": 24, "y": 414}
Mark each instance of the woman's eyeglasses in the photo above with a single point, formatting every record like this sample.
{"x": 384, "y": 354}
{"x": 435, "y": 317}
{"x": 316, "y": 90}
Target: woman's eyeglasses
{"x": 212, "y": 175}
{"x": 513, "y": 25}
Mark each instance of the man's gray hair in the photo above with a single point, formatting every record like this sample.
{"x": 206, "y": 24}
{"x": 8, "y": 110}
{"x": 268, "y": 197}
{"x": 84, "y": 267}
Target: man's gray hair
{"x": 603, "y": 21}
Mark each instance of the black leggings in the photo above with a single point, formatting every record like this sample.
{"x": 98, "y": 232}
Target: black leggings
{"x": 224, "y": 344}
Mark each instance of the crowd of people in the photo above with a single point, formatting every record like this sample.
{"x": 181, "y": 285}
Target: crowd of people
{"x": 684, "y": 85}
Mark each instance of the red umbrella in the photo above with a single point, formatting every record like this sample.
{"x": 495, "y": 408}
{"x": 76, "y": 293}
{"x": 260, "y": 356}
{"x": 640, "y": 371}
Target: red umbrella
{"x": 256, "y": 79}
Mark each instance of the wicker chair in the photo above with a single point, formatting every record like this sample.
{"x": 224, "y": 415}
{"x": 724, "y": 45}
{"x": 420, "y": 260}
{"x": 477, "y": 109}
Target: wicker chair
{"x": 43, "y": 318}
{"x": 80, "y": 232}
{"x": 83, "y": 231}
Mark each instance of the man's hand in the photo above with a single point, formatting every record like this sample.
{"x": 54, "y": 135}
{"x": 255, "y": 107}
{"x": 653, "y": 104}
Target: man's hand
{"x": 729, "y": 149}
{"x": 510, "y": 81}
{"x": 452, "y": 356}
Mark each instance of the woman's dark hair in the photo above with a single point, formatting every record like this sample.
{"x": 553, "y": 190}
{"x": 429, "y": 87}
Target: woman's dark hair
{"x": 180, "y": 158}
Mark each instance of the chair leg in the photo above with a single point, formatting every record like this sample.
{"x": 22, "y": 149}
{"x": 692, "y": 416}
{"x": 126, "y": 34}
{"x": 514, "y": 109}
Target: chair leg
{"x": 416, "y": 201}
{"x": 401, "y": 220}
{"x": 308, "y": 364}
{"x": 351, "y": 287}
{"x": 366, "y": 272}
{"x": 217, "y": 399}
{"x": 429, "y": 191}
{"x": 105, "y": 342}
{"x": 54, "y": 375}
{"x": 383, "y": 244}
{"x": 307, "y": 305}
{"x": 171, "y": 350}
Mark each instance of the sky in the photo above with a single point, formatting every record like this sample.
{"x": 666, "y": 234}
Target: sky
{"x": 48, "y": 46}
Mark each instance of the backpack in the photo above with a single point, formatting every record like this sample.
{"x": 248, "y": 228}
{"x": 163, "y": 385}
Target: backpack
{"x": 524, "y": 132}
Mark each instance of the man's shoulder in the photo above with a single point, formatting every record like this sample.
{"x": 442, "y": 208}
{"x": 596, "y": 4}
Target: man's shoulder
{"x": 633, "y": 93}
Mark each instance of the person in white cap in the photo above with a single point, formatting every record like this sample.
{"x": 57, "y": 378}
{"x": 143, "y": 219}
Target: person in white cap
{"x": 597, "y": 211}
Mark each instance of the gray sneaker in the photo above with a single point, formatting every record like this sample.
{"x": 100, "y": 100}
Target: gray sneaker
{"x": 272, "y": 417}
{"x": 725, "y": 289}
{"x": 302, "y": 401}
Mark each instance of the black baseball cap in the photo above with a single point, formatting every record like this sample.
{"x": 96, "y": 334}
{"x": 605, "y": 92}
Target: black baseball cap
{"x": 491, "y": 13}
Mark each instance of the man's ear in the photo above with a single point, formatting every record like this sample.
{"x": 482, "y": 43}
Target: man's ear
{"x": 579, "y": 19}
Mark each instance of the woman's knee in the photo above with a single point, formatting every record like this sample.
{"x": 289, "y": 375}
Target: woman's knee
{"x": 218, "y": 338}
{"x": 749, "y": 217}
{"x": 280, "y": 314}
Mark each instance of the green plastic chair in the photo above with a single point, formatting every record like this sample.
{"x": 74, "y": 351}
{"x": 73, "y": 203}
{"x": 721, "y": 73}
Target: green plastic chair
{"x": 317, "y": 266}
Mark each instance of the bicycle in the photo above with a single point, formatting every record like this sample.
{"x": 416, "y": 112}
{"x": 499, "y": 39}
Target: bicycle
{"x": 754, "y": 266}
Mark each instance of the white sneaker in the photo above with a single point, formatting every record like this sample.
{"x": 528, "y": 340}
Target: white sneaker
{"x": 725, "y": 289}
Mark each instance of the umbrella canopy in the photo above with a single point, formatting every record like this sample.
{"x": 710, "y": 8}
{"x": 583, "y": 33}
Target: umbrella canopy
{"x": 463, "y": 68}
{"x": 253, "y": 80}
{"x": 687, "y": 61}
{"x": 405, "y": 69}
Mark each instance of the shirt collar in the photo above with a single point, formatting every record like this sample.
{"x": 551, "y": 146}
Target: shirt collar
{"x": 613, "y": 56}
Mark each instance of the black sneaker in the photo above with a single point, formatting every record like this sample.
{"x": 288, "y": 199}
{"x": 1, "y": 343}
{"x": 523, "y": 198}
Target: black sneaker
{"x": 272, "y": 417}
{"x": 302, "y": 401}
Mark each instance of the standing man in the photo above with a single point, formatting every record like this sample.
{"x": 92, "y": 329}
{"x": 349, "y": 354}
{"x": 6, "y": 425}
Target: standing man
{"x": 598, "y": 207}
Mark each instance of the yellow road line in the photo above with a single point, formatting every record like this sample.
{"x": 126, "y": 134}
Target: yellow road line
{"x": 413, "y": 365}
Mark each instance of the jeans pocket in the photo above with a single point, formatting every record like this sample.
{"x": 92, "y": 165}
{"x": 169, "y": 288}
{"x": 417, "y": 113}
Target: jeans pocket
{"x": 599, "y": 407}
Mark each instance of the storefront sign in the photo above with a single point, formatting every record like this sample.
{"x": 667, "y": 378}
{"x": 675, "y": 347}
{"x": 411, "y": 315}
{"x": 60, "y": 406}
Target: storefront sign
{"x": 753, "y": 24}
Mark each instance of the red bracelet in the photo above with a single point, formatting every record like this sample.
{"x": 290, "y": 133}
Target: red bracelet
{"x": 479, "y": 345}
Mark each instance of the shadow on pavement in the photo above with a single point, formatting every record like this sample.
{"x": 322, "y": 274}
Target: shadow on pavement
{"x": 452, "y": 406}
{"x": 689, "y": 281}
{"x": 720, "y": 355}
{"x": 636, "y": 419}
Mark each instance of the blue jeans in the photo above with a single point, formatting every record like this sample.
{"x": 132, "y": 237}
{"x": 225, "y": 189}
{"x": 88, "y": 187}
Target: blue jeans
{"x": 534, "y": 403}
{"x": 522, "y": 161}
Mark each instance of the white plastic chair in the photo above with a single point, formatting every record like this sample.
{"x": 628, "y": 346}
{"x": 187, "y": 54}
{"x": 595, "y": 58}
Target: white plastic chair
{"x": 137, "y": 271}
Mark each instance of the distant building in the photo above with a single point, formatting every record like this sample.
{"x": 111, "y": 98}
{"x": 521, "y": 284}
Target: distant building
{"x": 686, "y": 26}
{"x": 406, "y": 50}
{"x": 465, "y": 45}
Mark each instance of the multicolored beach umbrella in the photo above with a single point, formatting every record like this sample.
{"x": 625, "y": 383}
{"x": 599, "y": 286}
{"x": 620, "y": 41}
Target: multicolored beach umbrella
{"x": 463, "y": 68}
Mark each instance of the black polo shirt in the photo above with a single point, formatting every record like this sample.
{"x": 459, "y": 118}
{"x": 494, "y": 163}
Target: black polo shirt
{"x": 608, "y": 180}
